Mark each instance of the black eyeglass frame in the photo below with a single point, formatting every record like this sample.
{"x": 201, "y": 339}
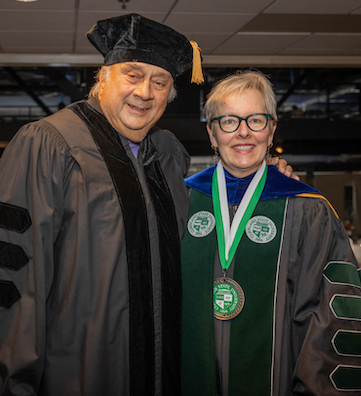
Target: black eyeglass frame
{"x": 240, "y": 119}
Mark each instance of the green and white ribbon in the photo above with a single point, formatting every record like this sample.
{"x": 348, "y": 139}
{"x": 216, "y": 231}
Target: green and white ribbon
{"x": 229, "y": 236}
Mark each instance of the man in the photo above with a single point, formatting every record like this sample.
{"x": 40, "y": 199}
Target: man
{"x": 92, "y": 210}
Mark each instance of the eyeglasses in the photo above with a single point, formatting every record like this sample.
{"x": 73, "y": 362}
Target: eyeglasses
{"x": 230, "y": 123}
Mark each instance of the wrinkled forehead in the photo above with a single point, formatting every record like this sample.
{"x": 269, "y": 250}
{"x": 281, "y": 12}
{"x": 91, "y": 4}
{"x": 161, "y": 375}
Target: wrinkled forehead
{"x": 144, "y": 68}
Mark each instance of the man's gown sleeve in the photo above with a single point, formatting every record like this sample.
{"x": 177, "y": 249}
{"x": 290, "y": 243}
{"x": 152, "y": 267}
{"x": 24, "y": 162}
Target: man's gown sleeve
{"x": 33, "y": 172}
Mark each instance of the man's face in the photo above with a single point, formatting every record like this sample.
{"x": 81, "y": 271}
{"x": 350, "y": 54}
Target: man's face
{"x": 133, "y": 96}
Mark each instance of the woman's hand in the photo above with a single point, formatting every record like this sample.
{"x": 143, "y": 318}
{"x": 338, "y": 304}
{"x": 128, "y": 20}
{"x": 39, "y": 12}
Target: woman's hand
{"x": 283, "y": 167}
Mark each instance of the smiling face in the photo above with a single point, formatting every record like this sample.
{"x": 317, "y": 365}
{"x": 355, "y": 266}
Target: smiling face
{"x": 243, "y": 151}
{"x": 133, "y": 96}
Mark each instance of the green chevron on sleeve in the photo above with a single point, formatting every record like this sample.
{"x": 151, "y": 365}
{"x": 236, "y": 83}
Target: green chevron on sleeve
{"x": 347, "y": 378}
{"x": 347, "y": 343}
{"x": 346, "y": 306}
{"x": 342, "y": 273}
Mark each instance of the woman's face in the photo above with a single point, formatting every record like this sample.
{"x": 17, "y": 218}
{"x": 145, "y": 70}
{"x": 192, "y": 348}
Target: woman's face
{"x": 243, "y": 151}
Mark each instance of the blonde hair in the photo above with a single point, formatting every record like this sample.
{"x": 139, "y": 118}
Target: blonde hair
{"x": 235, "y": 84}
{"x": 94, "y": 91}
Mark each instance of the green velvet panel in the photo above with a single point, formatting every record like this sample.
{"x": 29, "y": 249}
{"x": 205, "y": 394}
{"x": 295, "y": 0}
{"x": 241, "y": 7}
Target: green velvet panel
{"x": 348, "y": 343}
{"x": 342, "y": 272}
{"x": 347, "y": 307}
{"x": 347, "y": 378}
{"x": 252, "y": 330}
{"x": 198, "y": 351}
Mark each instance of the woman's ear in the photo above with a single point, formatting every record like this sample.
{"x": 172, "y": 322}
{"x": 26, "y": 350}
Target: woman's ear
{"x": 273, "y": 130}
{"x": 212, "y": 138}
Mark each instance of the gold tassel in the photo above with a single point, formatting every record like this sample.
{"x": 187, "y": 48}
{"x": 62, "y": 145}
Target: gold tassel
{"x": 197, "y": 74}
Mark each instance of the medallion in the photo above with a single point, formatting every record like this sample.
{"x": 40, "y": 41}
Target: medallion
{"x": 228, "y": 298}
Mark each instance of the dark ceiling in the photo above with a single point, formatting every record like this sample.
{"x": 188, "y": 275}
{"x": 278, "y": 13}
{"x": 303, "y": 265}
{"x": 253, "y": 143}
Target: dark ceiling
{"x": 311, "y": 49}
{"x": 319, "y": 109}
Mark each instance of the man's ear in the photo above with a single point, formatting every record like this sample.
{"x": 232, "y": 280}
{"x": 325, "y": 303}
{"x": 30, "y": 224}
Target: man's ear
{"x": 102, "y": 75}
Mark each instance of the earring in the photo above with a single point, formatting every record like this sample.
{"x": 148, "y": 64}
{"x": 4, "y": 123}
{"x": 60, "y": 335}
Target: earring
{"x": 215, "y": 154}
{"x": 268, "y": 154}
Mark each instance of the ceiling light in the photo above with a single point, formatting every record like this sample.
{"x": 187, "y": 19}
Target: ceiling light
{"x": 26, "y": 1}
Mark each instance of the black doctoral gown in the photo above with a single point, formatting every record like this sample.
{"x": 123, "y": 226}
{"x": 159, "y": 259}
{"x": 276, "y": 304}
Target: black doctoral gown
{"x": 89, "y": 259}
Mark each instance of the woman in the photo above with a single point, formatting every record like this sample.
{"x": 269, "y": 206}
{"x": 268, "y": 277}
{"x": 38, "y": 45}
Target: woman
{"x": 265, "y": 295}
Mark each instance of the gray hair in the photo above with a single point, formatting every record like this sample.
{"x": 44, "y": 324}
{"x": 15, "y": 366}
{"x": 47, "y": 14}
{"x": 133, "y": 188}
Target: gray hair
{"x": 94, "y": 91}
{"x": 235, "y": 84}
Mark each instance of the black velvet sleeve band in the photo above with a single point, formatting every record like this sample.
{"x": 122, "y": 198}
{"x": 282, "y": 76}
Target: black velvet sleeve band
{"x": 14, "y": 218}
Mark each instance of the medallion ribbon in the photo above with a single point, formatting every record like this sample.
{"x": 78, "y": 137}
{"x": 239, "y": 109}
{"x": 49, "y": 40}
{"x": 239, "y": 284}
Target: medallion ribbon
{"x": 229, "y": 236}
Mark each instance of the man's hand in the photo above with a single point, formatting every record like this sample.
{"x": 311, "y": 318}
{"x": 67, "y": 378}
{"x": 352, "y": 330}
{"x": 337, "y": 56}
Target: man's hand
{"x": 283, "y": 167}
